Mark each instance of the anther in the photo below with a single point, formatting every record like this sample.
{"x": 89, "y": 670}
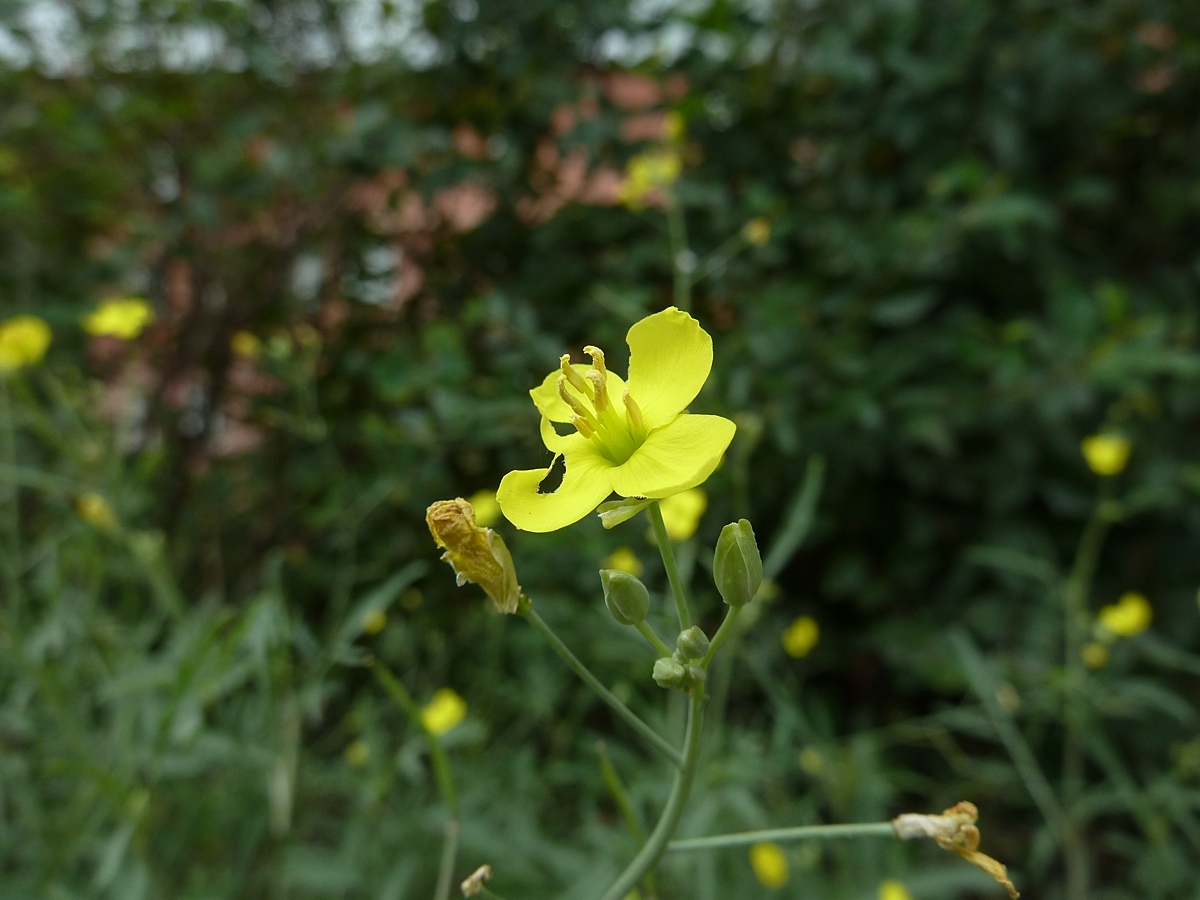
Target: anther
{"x": 573, "y": 378}
{"x": 599, "y": 389}
{"x": 582, "y": 426}
{"x": 597, "y": 356}
{"x": 635, "y": 411}
{"x": 576, "y": 406}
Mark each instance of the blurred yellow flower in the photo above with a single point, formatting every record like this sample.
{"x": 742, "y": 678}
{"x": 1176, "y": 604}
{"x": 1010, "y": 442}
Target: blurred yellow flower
{"x": 624, "y": 560}
{"x": 1129, "y": 616}
{"x": 443, "y": 712}
{"x": 123, "y": 318}
{"x": 243, "y": 343}
{"x": 1095, "y": 655}
{"x": 674, "y": 128}
{"x": 681, "y": 513}
{"x": 769, "y": 864}
{"x": 23, "y": 342}
{"x": 94, "y": 510}
{"x": 487, "y": 510}
{"x": 893, "y": 890}
{"x": 811, "y": 761}
{"x": 801, "y": 636}
{"x": 1106, "y": 454}
{"x": 373, "y": 621}
{"x": 357, "y": 754}
{"x": 648, "y": 172}
{"x": 757, "y": 231}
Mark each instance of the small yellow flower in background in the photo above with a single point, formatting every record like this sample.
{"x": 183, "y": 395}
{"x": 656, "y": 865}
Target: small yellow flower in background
{"x": 1106, "y": 454}
{"x": 357, "y": 754}
{"x": 757, "y": 231}
{"x": 811, "y": 761}
{"x": 124, "y": 318}
{"x": 412, "y": 599}
{"x": 1129, "y": 616}
{"x": 487, "y": 510}
{"x": 1095, "y": 655}
{"x": 648, "y": 172}
{"x": 624, "y": 560}
{"x": 635, "y": 439}
{"x": 769, "y": 864}
{"x": 801, "y": 636}
{"x": 373, "y": 621}
{"x": 243, "y": 343}
{"x": 443, "y": 712}
{"x": 94, "y": 510}
{"x": 681, "y": 513}
{"x": 23, "y": 342}
{"x": 891, "y": 889}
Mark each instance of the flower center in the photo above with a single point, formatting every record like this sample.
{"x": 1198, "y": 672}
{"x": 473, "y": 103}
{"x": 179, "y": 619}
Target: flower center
{"x": 616, "y": 431}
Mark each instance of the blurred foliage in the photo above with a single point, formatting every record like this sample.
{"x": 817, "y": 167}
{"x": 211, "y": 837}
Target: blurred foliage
{"x": 983, "y": 233}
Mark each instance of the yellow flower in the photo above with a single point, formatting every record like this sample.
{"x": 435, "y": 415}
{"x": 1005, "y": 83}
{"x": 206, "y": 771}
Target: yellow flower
{"x": 94, "y": 510}
{"x": 893, "y": 890}
{"x": 1106, "y": 454}
{"x": 373, "y": 621}
{"x": 487, "y": 510}
{"x": 443, "y": 712}
{"x": 243, "y": 343}
{"x": 769, "y": 864}
{"x": 23, "y": 342}
{"x": 681, "y": 513}
{"x": 477, "y": 555}
{"x": 1129, "y": 616}
{"x": 124, "y": 318}
{"x": 624, "y": 560}
{"x": 648, "y": 172}
{"x": 1095, "y": 655}
{"x": 636, "y": 440}
{"x": 357, "y": 754}
{"x": 757, "y": 231}
{"x": 801, "y": 636}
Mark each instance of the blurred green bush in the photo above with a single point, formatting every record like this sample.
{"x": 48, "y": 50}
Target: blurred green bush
{"x": 367, "y": 229}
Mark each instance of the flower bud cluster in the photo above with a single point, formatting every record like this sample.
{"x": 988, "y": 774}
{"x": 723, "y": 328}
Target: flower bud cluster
{"x": 684, "y": 669}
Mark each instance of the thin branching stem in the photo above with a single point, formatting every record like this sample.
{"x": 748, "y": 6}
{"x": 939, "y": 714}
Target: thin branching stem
{"x": 668, "y": 558}
{"x": 783, "y": 835}
{"x": 652, "y": 637}
{"x": 722, "y": 634}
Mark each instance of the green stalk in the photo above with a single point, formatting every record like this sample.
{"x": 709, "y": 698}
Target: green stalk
{"x": 656, "y": 642}
{"x": 1075, "y": 623}
{"x": 446, "y": 868}
{"x": 652, "y": 737}
{"x": 677, "y": 234}
{"x": 620, "y": 795}
{"x": 781, "y": 835}
{"x": 11, "y": 497}
{"x": 648, "y": 857}
{"x": 722, "y": 634}
{"x": 668, "y": 558}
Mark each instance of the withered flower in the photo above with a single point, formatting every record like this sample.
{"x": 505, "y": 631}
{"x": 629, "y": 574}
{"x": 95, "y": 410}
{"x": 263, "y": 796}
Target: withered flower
{"x": 476, "y": 554}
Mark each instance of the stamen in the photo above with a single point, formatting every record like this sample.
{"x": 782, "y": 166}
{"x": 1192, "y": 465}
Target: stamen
{"x": 635, "y": 411}
{"x": 573, "y": 378}
{"x": 576, "y": 405}
{"x": 599, "y": 389}
{"x": 582, "y": 426}
{"x": 597, "y": 356}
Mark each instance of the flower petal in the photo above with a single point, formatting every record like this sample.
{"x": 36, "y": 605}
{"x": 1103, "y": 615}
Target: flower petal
{"x": 584, "y": 486}
{"x": 549, "y": 404}
{"x": 670, "y": 356}
{"x": 567, "y": 444}
{"x": 675, "y": 457}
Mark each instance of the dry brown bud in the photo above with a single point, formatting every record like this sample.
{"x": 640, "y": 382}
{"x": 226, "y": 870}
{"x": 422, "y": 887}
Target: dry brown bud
{"x": 474, "y": 883}
{"x": 477, "y": 555}
{"x": 954, "y": 830}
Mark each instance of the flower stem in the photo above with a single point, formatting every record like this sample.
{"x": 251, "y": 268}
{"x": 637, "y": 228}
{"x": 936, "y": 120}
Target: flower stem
{"x": 668, "y": 558}
{"x": 625, "y": 807}
{"x": 656, "y": 642}
{"x": 677, "y": 234}
{"x": 722, "y": 634}
{"x": 11, "y": 497}
{"x": 446, "y": 868}
{"x": 648, "y": 857}
{"x": 652, "y": 737}
{"x": 799, "y": 833}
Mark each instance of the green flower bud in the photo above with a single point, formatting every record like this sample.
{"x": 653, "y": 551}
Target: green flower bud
{"x": 625, "y": 596}
{"x": 696, "y": 675}
{"x": 669, "y": 673}
{"x": 692, "y": 644}
{"x": 737, "y": 565}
